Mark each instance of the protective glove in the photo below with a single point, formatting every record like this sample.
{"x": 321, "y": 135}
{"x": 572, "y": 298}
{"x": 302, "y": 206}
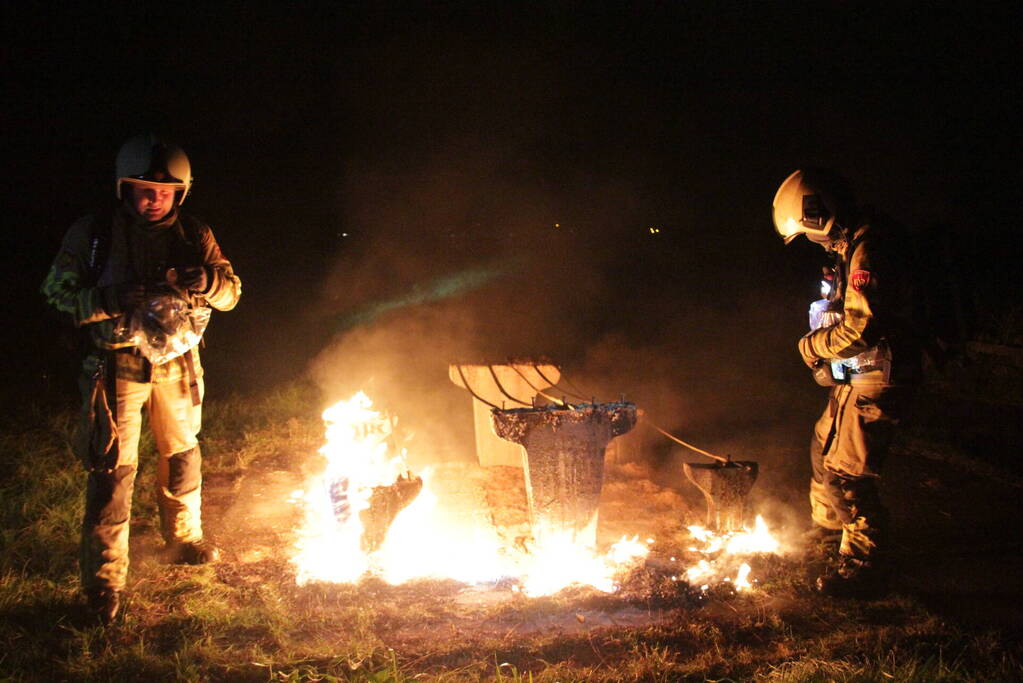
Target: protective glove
{"x": 191, "y": 278}
{"x": 822, "y": 374}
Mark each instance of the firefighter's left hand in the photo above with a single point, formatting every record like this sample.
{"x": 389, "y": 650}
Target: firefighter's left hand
{"x": 192, "y": 279}
{"x": 822, "y": 374}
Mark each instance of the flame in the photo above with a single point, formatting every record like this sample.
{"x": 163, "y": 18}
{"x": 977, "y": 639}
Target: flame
{"x": 759, "y": 540}
{"x": 721, "y": 550}
{"x": 431, "y": 539}
{"x": 425, "y": 541}
{"x": 328, "y": 547}
{"x": 560, "y": 563}
{"x": 741, "y": 579}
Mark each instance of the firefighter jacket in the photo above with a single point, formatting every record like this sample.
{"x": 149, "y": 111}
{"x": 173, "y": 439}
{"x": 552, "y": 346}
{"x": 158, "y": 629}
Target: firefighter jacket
{"x": 874, "y": 294}
{"x": 137, "y": 252}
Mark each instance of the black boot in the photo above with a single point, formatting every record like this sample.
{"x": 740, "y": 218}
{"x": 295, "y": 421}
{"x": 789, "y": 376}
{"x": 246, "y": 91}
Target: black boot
{"x": 853, "y": 578}
{"x": 104, "y": 604}
{"x": 196, "y": 552}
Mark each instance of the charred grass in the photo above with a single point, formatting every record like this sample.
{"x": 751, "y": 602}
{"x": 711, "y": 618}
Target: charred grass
{"x": 249, "y": 621}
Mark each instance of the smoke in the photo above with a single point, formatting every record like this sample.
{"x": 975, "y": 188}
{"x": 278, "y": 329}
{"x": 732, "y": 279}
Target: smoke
{"x": 508, "y": 198}
{"x": 455, "y": 262}
{"x": 463, "y": 260}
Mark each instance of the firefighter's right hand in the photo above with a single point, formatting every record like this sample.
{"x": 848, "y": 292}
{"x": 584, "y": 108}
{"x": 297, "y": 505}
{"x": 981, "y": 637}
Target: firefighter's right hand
{"x": 193, "y": 279}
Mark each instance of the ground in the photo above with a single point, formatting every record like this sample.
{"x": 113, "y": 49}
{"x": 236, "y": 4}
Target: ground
{"x": 954, "y": 612}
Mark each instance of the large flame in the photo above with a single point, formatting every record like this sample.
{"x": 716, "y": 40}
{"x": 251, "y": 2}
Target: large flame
{"x": 431, "y": 539}
{"x": 358, "y": 459}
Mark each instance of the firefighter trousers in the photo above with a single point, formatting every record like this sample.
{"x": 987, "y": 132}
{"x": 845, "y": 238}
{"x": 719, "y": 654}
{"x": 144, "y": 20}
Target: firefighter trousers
{"x": 847, "y": 453}
{"x": 175, "y": 424}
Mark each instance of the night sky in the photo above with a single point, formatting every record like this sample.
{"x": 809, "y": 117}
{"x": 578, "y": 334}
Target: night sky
{"x": 347, "y": 157}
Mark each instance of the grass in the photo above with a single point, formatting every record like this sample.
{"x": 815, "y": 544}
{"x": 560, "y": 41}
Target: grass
{"x": 251, "y": 622}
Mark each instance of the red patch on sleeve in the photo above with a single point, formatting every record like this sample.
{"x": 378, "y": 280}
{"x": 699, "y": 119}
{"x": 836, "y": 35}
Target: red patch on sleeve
{"x": 859, "y": 279}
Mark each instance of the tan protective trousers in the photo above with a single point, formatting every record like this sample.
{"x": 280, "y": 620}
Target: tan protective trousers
{"x": 175, "y": 423}
{"x": 849, "y": 446}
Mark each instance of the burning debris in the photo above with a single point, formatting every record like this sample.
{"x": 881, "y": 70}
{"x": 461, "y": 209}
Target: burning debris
{"x": 366, "y": 514}
{"x": 385, "y": 502}
{"x": 363, "y": 487}
{"x": 720, "y": 552}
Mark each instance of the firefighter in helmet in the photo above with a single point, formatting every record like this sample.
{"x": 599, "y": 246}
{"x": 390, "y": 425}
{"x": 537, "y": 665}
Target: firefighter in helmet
{"x": 138, "y": 281}
{"x": 864, "y": 349}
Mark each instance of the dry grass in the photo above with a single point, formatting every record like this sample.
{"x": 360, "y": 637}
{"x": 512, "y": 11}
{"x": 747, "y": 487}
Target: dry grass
{"x": 249, "y": 621}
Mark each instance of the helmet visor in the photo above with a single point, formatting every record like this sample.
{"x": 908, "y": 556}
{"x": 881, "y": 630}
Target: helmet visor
{"x": 180, "y": 189}
{"x": 789, "y": 228}
{"x": 159, "y": 184}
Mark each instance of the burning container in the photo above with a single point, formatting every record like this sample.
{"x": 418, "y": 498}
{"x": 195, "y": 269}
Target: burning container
{"x": 564, "y": 464}
{"x": 725, "y": 486}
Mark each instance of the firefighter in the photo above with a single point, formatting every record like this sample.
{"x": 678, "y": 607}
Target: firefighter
{"x": 111, "y": 266}
{"x": 867, "y": 353}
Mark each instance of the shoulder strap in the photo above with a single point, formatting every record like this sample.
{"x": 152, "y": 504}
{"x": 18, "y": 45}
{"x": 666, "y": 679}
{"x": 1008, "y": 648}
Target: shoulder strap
{"x": 101, "y": 233}
{"x": 101, "y": 229}
{"x": 191, "y": 226}
{"x": 854, "y": 244}
{"x": 191, "y": 230}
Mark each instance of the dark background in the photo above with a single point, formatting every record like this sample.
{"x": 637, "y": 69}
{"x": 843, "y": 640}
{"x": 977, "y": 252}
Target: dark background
{"x": 364, "y": 154}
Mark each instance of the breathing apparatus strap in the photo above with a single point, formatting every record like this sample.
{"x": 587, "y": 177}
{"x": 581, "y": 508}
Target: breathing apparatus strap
{"x": 102, "y": 410}
{"x": 193, "y": 379}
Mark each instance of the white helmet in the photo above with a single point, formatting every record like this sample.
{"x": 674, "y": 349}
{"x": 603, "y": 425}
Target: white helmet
{"x": 812, "y": 202}
{"x": 147, "y": 160}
